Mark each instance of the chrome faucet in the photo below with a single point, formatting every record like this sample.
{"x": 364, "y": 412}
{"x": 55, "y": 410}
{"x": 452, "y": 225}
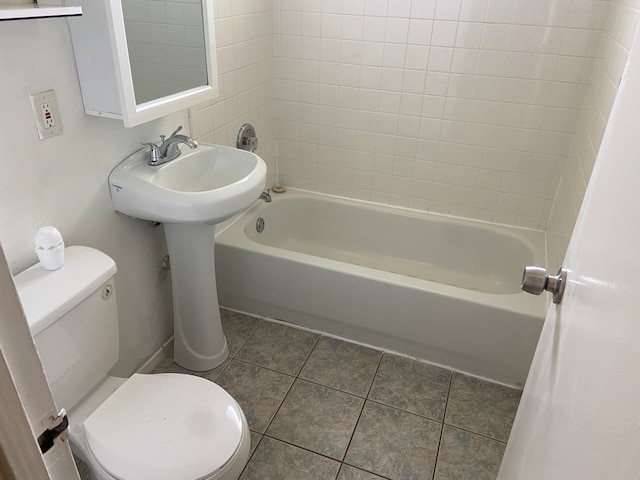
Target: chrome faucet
{"x": 266, "y": 196}
{"x": 169, "y": 148}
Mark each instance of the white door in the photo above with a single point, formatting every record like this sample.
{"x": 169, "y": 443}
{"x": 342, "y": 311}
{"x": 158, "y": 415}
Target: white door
{"x": 26, "y": 403}
{"x": 579, "y": 417}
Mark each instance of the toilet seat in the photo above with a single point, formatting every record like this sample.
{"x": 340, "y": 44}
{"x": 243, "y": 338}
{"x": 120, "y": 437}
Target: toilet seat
{"x": 165, "y": 427}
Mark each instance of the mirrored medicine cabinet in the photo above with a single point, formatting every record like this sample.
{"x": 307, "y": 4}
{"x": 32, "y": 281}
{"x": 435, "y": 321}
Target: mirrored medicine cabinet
{"x": 139, "y": 60}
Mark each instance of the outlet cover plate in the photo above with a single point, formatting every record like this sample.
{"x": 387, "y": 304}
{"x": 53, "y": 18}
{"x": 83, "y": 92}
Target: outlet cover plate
{"x": 45, "y": 111}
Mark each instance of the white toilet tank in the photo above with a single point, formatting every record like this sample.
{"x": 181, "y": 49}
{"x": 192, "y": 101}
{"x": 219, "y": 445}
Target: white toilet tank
{"x": 73, "y": 317}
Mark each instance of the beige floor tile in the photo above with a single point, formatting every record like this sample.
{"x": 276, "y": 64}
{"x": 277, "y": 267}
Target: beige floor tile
{"x": 342, "y": 365}
{"x": 259, "y": 391}
{"x": 278, "y": 347}
{"x": 276, "y": 460}
{"x": 317, "y": 418}
{"x": 482, "y": 407}
{"x": 467, "y": 456}
{"x": 413, "y": 386}
{"x": 394, "y": 444}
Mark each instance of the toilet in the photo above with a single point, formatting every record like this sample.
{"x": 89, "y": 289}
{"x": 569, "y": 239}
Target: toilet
{"x": 162, "y": 426}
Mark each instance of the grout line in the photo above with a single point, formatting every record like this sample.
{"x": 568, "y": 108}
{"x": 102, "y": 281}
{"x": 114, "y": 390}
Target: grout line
{"x": 444, "y": 416}
{"x": 362, "y": 409}
{"x": 475, "y": 433}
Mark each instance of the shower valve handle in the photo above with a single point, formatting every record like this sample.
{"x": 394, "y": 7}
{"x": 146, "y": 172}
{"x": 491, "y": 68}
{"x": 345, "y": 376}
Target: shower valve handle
{"x": 535, "y": 280}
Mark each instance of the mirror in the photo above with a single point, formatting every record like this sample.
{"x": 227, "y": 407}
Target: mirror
{"x": 165, "y": 40}
{"x": 139, "y": 60}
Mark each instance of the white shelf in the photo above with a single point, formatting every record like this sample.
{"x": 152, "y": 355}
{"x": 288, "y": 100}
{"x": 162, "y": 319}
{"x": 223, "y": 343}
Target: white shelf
{"x": 23, "y": 12}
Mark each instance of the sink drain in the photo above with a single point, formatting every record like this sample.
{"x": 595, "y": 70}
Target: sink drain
{"x": 260, "y": 225}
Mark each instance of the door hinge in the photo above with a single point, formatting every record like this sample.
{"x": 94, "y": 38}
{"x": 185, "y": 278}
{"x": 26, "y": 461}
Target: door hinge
{"x": 59, "y": 426}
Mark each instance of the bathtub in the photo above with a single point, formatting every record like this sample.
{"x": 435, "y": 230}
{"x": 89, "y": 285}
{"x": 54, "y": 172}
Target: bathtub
{"x": 438, "y": 288}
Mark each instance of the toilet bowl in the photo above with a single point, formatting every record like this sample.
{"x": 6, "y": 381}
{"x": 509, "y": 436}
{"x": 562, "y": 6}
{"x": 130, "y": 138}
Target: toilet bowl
{"x": 163, "y": 426}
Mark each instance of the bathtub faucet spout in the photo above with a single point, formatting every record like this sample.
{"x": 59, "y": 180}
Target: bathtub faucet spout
{"x": 266, "y": 196}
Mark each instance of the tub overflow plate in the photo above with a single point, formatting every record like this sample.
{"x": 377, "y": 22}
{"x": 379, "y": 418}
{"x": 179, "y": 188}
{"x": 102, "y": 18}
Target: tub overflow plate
{"x": 260, "y": 225}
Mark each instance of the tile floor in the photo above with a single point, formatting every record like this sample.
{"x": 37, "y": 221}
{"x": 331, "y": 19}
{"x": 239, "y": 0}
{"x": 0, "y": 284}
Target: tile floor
{"x": 321, "y": 408}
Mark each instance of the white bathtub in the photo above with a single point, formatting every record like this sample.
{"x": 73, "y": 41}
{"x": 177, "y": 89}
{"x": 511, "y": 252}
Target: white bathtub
{"x": 443, "y": 289}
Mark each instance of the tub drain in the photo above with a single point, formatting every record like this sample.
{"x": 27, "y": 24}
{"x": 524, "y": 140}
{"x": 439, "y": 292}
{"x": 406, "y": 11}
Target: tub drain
{"x": 260, "y": 225}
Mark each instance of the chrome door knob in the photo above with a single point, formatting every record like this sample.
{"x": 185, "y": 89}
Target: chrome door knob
{"x": 535, "y": 280}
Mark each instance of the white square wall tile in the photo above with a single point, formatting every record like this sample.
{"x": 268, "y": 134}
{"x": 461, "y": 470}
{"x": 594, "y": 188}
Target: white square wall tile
{"x": 423, "y": 9}
{"x": 521, "y": 38}
{"x": 548, "y": 40}
{"x": 554, "y": 12}
{"x": 542, "y": 67}
{"x": 351, "y": 52}
{"x": 433, "y": 106}
{"x": 331, "y": 26}
{"x": 469, "y": 35}
{"x": 526, "y": 12}
{"x": 490, "y": 62}
{"x": 374, "y": 29}
{"x": 397, "y": 30}
{"x": 440, "y": 59}
{"x": 516, "y": 64}
{"x": 352, "y": 7}
{"x": 444, "y": 33}
{"x": 508, "y": 203}
{"x": 417, "y": 57}
{"x": 464, "y": 60}
{"x": 394, "y": 55}
{"x": 568, "y": 69}
{"x": 473, "y": 10}
{"x": 392, "y": 79}
{"x": 389, "y": 102}
{"x": 447, "y": 9}
{"x": 376, "y": 8}
{"x": 437, "y": 83}
{"x": 410, "y": 105}
{"x": 414, "y": 81}
{"x": 399, "y": 8}
{"x": 495, "y": 37}
{"x": 352, "y": 27}
{"x": 420, "y": 31}
{"x": 576, "y": 42}
{"x": 372, "y": 53}
{"x": 500, "y": 11}
{"x": 370, "y": 77}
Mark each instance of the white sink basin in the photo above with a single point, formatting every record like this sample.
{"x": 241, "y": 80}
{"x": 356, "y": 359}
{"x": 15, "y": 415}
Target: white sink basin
{"x": 206, "y": 185}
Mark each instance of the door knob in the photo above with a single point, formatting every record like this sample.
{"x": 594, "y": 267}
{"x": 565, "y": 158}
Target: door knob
{"x": 535, "y": 280}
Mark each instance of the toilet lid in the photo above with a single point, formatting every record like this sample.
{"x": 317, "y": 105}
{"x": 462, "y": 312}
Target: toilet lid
{"x": 165, "y": 426}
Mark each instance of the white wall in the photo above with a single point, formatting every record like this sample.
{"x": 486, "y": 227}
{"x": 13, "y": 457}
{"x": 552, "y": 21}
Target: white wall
{"x": 63, "y": 181}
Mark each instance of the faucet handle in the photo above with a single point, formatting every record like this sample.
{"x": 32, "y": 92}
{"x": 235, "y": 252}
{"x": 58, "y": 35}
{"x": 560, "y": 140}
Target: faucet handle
{"x": 177, "y": 130}
{"x": 154, "y": 153}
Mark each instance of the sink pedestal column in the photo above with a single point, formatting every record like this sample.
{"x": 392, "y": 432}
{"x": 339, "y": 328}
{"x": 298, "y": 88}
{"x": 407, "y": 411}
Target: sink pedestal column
{"x": 199, "y": 342}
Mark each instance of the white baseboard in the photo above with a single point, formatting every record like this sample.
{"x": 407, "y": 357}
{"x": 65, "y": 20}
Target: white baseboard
{"x": 156, "y": 358}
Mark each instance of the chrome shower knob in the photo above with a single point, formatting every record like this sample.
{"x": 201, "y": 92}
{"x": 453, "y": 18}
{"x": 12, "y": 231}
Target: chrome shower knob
{"x": 535, "y": 280}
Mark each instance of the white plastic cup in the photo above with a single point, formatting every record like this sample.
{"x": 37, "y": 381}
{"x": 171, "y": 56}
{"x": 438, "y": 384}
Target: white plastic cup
{"x": 49, "y": 248}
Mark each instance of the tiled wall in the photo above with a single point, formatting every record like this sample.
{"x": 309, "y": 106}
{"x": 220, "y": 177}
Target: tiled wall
{"x": 609, "y": 68}
{"x": 244, "y": 40}
{"x": 465, "y": 107}
{"x": 166, "y": 46}
{"x": 469, "y": 107}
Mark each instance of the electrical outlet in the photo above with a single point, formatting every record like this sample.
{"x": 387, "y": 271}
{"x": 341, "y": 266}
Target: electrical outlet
{"x": 45, "y": 110}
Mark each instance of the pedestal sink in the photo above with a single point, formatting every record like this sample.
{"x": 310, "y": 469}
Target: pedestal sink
{"x": 190, "y": 195}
